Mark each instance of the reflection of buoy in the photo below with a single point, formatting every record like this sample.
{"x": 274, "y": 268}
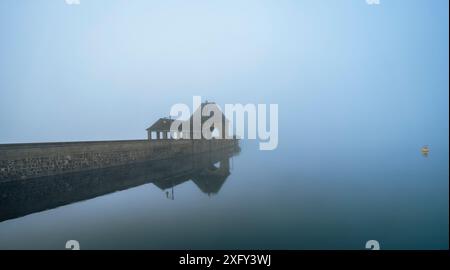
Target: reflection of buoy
{"x": 425, "y": 150}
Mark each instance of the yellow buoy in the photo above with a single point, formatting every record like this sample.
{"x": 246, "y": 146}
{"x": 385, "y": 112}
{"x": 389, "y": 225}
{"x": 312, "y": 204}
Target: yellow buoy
{"x": 425, "y": 150}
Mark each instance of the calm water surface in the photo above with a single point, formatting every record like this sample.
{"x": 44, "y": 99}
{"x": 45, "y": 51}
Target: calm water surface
{"x": 284, "y": 199}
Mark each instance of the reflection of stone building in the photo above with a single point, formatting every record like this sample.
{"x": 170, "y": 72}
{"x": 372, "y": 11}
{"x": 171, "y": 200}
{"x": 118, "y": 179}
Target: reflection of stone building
{"x": 22, "y": 197}
{"x": 209, "y": 179}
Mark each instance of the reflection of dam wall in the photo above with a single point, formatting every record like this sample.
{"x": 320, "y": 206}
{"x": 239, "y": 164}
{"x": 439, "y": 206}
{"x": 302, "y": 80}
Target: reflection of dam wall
{"x": 24, "y": 161}
{"x": 22, "y": 197}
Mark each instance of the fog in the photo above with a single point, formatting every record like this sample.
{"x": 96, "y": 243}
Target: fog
{"x": 360, "y": 89}
{"x": 343, "y": 73}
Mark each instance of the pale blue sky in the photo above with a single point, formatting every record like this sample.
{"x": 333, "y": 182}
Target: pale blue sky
{"x": 342, "y": 72}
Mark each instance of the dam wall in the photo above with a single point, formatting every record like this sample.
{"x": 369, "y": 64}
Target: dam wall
{"x": 31, "y": 160}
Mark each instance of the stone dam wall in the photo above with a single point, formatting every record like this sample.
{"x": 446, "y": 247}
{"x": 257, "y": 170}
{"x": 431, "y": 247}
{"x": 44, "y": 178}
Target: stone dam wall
{"x": 24, "y": 161}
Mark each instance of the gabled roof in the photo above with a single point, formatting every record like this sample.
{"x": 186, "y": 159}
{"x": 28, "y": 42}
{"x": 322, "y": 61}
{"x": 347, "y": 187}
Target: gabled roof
{"x": 162, "y": 124}
{"x": 204, "y": 118}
